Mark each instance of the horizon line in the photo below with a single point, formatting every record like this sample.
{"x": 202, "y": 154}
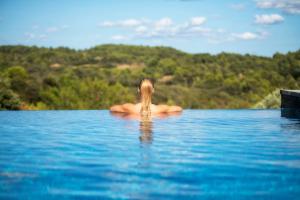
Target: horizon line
{"x": 151, "y": 46}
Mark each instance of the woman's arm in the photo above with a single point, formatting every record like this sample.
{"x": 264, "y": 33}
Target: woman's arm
{"x": 125, "y": 108}
{"x": 175, "y": 109}
{"x": 168, "y": 109}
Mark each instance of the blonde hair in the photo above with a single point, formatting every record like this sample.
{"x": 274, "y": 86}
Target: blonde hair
{"x": 146, "y": 90}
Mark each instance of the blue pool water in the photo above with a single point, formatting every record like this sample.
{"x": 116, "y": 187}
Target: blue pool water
{"x": 201, "y": 154}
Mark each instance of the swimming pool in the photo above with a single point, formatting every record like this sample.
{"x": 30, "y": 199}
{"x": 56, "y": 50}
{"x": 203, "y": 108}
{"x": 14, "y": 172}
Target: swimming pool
{"x": 204, "y": 154}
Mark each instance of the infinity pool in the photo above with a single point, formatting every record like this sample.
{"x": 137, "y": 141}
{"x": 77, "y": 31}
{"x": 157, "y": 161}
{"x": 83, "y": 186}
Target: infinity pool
{"x": 207, "y": 154}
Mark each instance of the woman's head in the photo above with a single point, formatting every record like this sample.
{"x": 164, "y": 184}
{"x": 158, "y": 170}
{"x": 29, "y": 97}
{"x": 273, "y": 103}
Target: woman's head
{"x": 146, "y": 89}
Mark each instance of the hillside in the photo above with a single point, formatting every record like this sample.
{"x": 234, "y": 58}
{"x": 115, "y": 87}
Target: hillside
{"x": 95, "y": 78}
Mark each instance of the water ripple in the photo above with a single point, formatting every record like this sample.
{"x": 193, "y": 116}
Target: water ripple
{"x": 239, "y": 154}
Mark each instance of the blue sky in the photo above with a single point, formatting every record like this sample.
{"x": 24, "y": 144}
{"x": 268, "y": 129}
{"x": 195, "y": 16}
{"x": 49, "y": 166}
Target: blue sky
{"x": 260, "y": 27}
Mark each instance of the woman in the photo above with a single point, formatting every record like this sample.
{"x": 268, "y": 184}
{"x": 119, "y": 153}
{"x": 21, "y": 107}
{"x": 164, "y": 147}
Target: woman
{"x": 145, "y": 107}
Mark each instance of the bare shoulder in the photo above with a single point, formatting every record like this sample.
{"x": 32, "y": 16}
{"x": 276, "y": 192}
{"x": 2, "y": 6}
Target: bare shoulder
{"x": 124, "y": 108}
{"x": 167, "y": 109}
{"x": 128, "y": 105}
{"x": 135, "y": 108}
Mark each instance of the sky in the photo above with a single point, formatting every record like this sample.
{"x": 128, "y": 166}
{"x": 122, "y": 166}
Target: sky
{"x": 261, "y": 27}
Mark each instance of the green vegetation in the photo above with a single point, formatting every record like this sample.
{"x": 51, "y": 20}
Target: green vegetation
{"x": 63, "y": 78}
{"x": 273, "y": 100}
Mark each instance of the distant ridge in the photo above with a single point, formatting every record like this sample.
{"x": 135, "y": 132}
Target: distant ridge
{"x": 63, "y": 78}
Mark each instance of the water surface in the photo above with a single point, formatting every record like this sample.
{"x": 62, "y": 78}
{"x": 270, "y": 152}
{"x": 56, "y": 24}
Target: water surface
{"x": 238, "y": 154}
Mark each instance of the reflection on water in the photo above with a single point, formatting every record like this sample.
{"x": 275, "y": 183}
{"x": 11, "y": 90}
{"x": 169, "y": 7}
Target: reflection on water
{"x": 146, "y": 123}
{"x": 203, "y": 154}
{"x": 146, "y": 130}
{"x": 293, "y": 126}
{"x": 290, "y": 113}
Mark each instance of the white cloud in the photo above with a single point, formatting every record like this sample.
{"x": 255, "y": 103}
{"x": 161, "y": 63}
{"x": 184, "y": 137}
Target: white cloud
{"x": 268, "y": 19}
{"x": 141, "y": 29}
{"x": 107, "y": 24}
{"x": 195, "y": 21}
{"x": 263, "y": 34}
{"x": 123, "y": 23}
{"x": 42, "y": 36}
{"x": 250, "y": 35}
{"x": 37, "y": 33}
{"x": 246, "y": 36}
{"x": 52, "y": 29}
{"x": 119, "y": 37}
{"x": 130, "y": 23}
{"x": 221, "y": 30}
{"x": 200, "y": 30}
{"x": 33, "y": 36}
{"x": 288, "y": 6}
{"x": 30, "y": 35}
{"x": 163, "y": 23}
{"x": 166, "y": 28}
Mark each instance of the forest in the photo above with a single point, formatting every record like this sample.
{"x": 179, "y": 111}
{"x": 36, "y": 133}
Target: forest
{"x": 40, "y": 78}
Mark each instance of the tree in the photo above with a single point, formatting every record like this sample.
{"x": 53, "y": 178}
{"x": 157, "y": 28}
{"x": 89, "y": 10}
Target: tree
{"x": 9, "y": 100}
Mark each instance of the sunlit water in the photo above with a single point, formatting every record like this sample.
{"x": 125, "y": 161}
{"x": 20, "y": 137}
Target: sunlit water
{"x": 238, "y": 154}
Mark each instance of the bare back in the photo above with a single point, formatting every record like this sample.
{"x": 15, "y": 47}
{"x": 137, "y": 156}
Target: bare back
{"x": 146, "y": 90}
{"x": 136, "y": 108}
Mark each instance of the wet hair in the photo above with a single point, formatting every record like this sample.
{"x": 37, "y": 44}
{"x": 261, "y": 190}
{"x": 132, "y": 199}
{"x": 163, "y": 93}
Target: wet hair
{"x": 144, "y": 79}
{"x": 146, "y": 90}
